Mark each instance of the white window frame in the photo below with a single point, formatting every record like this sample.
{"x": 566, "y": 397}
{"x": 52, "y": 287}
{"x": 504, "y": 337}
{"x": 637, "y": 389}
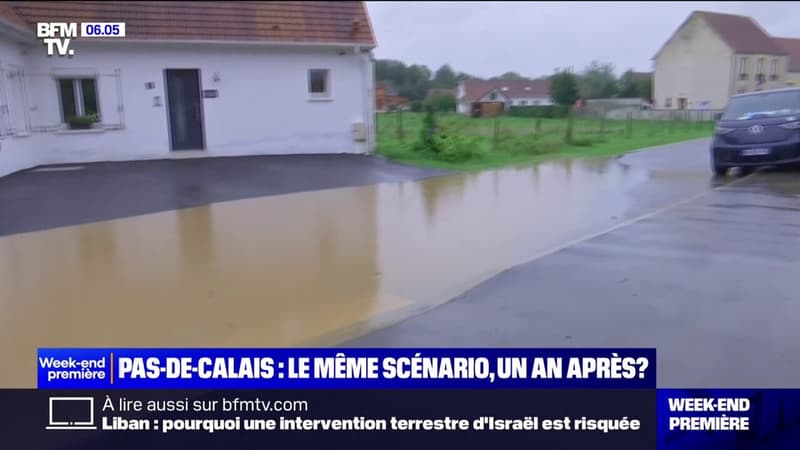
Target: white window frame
{"x": 743, "y": 67}
{"x": 773, "y": 69}
{"x": 326, "y": 94}
{"x": 77, "y": 91}
{"x": 760, "y": 66}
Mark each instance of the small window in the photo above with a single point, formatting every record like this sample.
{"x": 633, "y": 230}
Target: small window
{"x": 773, "y": 69}
{"x": 493, "y": 96}
{"x": 668, "y": 102}
{"x": 741, "y": 90}
{"x": 79, "y": 106}
{"x": 318, "y": 83}
{"x": 523, "y": 103}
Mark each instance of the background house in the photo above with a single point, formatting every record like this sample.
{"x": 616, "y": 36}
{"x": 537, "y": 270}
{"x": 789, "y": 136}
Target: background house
{"x": 792, "y": 48}
{"x": 386, "y": 98}
{"x": 713, "y": 56}
{"x": 222, "y": 79}
{"x": 490, "y": 97}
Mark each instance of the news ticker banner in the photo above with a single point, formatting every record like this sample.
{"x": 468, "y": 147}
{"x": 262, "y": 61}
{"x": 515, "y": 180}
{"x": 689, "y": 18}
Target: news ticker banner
{"x": 473, "y": 398}
{"x": 355, "y": 368}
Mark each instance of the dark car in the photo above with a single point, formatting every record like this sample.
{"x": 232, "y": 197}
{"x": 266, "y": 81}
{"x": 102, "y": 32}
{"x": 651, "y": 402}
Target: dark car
{"x": 758, "y": 129}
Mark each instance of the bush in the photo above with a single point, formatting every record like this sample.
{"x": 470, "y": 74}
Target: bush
{"x": 449, "y": 145}
{"x": 427, "y": 135}
{"x": 457, "y": 148}
{"x": 442, "y": 102}
{"x": 416, "y": 106}
{"x": 581, "y": 142}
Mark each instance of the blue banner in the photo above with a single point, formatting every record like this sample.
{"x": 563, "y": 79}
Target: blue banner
{"x": 362, "y": 368}
{"x": 727, "y": 419}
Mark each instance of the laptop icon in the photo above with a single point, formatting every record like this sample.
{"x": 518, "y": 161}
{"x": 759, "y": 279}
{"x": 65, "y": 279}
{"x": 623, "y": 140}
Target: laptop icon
{"x": 71, "y": 413}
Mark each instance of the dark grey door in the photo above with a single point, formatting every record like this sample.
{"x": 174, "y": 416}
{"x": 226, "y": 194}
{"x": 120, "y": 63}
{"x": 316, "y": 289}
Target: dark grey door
{"x": 185, "y": 109}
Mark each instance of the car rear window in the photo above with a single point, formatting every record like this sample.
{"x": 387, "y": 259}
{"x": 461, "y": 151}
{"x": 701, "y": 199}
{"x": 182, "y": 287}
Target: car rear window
{"x": 768, "y": 104}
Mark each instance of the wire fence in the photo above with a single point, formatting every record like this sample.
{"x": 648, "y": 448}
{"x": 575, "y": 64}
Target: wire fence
{"x": 579, "y": 126}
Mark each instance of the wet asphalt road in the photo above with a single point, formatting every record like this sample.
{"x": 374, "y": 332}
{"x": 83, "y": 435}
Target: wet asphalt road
{"x": 95, "y": 192}
{"x": 711, "y": 279}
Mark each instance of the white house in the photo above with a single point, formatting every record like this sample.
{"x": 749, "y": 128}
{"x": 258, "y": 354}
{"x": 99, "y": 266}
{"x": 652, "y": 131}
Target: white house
{"x": 475, "y": 95}
{"x": 713, "y": 56}
{"x": 188, "y": 79}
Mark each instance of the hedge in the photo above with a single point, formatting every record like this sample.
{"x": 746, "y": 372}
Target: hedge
{"x": 546, "y": 111}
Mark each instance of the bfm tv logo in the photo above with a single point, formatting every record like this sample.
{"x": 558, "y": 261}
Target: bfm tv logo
{"x": 57, "y": 36}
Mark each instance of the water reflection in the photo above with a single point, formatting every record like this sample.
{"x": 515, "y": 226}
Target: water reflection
{"x": 299, "y": 268}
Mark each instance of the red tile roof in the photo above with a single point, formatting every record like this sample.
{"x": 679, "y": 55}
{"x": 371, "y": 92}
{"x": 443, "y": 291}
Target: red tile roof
{"x": 8, "y": 15}
{"x": 741, "y": 33}
{"x": 792, "y": 47}
{"x": 476, "y": 89}
{"x": 318, "y": 22}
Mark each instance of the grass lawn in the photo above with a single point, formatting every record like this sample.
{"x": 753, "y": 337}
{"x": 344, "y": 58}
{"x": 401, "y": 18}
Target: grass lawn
{"x": 516, "y": 140}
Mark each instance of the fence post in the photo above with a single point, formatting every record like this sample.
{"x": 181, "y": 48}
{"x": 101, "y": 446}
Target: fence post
{"x": 603, "y": 123}
{"x": 496, "y": 130}
{"x": 568, "y": 135}
{"x": 628, "y": 124}
{"x": 651, "y": 129}
{"x": 538, "y": 125}
{"x": 400, "y": 124}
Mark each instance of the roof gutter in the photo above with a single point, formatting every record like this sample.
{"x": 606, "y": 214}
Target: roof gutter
{"x": 16, "y": 33}
{"x": 253, "y": 43}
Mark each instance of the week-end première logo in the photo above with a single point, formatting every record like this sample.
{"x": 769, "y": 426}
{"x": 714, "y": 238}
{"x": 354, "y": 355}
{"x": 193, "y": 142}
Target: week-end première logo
{"x": 57, "y": 36}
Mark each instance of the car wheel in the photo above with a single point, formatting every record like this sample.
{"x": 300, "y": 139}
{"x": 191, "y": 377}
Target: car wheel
{"x": 720, "y": 171}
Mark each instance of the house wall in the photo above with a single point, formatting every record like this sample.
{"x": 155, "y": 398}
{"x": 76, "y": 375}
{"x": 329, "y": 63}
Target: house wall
{"x": 697, "y": 65}
{"x": 792, "y": 79}
{"x": 751, "y": 84}
{"x": 263, "y": 106}
{"x": 15, "y": 151}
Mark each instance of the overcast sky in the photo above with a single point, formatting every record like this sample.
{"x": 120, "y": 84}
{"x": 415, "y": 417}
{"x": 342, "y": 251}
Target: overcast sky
{"x": 533, "y": 38}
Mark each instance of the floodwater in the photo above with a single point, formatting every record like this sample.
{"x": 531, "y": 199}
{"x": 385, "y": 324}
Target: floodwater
{"x": 310, "y": 268}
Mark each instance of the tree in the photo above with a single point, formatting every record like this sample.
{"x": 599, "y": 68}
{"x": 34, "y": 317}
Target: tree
{"x": 631, "y": 86}
{"x": 464, "y": 76}
{"x": 411, "y": 81}
{"x": 598, "y": 81}
{"x": 442, "y": 102}
{"x": 510, "y": 76}
{"x": 445, "y": 77}
{"x": 628, "y": 87}
{"x": 645, "y": 89}
{"x": 564, "y": 87}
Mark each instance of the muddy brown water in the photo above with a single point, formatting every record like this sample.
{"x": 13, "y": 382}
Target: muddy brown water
{"x": 309, "y": 268}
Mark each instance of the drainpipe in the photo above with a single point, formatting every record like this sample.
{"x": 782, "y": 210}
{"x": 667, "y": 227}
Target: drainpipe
{"x": 732, "y": 81}
{"x": 367, "y": 87}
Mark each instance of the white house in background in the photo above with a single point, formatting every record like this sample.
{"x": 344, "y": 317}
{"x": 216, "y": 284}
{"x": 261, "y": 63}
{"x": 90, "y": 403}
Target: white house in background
{"x": 713, "y": 56}
{"x": 473, "y": 94}
{"x": 189, "y": 79}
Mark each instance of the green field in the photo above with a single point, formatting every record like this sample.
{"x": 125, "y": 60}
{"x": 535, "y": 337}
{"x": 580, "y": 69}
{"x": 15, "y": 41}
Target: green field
{"x": 480, "y": 143}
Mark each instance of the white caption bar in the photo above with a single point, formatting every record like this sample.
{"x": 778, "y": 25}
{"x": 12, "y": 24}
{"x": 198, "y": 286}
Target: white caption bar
{"x": 102, "y": 29}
